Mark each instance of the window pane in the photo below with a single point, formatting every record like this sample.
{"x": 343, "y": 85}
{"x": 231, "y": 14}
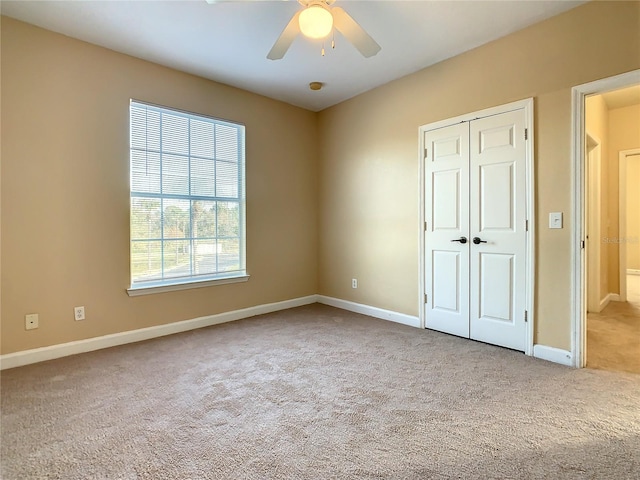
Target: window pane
{"x": 205, "y": 257}
{"x": 175, "y": 134}
{"x": 175, "y": 174}
{"x": 153, "y": 130}
{"x": 146, "y": 218}
{"x": 229, "y": 258}
{"x": 177, "y": 258}
{"x": 228, "y": 219}
{"x": 226, "y": 179}
{"x": 203, "y": 219}
{"x": 202, "y": 139}
{"x": 145, "y": 172}
{"x": 146, "y": 261}
{"x": 203, "y": 177}
{"x": 176, "y": 218}
{"x": 138, "y": 127}
{"x": 226, "y": 143}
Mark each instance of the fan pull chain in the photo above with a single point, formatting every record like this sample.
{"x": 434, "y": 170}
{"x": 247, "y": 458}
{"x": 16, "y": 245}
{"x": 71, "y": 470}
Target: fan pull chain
{"x": 323, "y": 49}
{"x": 333, "y": 39}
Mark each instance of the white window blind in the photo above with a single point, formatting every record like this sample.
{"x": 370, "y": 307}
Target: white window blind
{"x": 187, "y": 197}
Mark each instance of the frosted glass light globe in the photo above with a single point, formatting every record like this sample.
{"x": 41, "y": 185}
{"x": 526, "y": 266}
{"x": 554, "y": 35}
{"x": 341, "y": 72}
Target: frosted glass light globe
{"x": 315, "y": 22}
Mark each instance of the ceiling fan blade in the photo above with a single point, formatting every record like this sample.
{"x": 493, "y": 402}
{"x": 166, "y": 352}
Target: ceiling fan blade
{"x": 353, "y": 32}
{"x": 285, "y": 39}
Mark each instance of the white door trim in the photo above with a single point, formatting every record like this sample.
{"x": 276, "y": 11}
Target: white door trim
{"x": 527, "y": 106}
{"x": 622, "y": 218}
{"x": 578, "y": 286}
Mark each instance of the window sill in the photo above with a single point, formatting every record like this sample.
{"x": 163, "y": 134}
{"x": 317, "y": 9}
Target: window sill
{"x": 150, "y": 290}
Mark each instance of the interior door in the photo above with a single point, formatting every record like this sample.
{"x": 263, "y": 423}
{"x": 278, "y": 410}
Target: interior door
{"x": 475, "y": 233}
{"x": 498, "y": 229}
{"x": 447, "y": 229}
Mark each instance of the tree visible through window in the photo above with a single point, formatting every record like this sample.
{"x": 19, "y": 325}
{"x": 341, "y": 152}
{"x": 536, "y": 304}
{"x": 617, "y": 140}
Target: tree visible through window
{"x": 187, "y": 197}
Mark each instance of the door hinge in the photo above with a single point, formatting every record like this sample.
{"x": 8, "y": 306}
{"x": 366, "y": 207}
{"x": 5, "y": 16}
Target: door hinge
{"x": 582, "y": 244}
{"x": 526, "y": 134}
{"x": 526, "y": 225}
{"x": 425, "y": 298}
{"x": 426, "y": 153}
{"x": 425, "y": 226}
{"x": 526, "y": 316}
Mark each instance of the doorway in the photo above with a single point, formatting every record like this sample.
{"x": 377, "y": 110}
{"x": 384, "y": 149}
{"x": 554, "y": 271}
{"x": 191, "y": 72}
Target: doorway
{"x": 606, "y": 326}
{"x": 476, "y": 175}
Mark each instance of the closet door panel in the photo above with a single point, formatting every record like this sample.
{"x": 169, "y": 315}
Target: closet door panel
{"x": 497, "y": 223}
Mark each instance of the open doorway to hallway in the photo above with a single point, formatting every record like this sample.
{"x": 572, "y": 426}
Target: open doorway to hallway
{"x": 612, "y": 226}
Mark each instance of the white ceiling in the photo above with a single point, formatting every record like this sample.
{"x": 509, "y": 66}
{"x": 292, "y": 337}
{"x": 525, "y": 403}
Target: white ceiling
{"x": 622, "y": 98}
{"x": 228, "y": 42}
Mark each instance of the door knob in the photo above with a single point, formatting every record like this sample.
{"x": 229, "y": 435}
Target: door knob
{"x": 462, "y": 240}
{"x": 477, "y": 240}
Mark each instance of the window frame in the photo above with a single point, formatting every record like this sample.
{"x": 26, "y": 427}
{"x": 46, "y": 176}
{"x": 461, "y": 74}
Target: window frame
{"x": 165, "y": 284}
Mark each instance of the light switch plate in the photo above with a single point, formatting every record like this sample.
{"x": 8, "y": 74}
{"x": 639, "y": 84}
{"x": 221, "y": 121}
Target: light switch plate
{"x": 555, "y": 220}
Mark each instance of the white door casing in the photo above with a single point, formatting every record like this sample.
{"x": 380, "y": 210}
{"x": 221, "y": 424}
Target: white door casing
{"x": 480, "y": 291}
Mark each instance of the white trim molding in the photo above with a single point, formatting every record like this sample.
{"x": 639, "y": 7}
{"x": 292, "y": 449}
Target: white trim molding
{"x": 27, "y": 357}
{"x": 149, "y": 290}
{"x": 609, "y": 297}
{"x": 552, "y": 354}
{"x": 376, "y": 312}
{"x": 633, "y": 271}
{"x": 42, "y": 354}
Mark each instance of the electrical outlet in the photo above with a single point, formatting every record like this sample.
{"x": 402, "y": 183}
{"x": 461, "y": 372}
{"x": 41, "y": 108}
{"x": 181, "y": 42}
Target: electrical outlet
{"x": 354, "y": 283}
{"x": 78, "y": 313}
{"x": 31, "y": 321}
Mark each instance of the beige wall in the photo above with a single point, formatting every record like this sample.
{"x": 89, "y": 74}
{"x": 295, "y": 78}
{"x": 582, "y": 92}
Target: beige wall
{"x": 65, "y": 196}
{"x": 617, "y": 129}
{"x": 597, "y": 125}
{"x": 369, "y": 198}
{"x": 624, "y": 134}
{"x": 331, "y": 196}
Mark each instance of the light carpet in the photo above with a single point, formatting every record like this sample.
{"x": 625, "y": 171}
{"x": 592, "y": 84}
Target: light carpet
{"x": 613, "y": 335}
{"x": 316, "y": 393}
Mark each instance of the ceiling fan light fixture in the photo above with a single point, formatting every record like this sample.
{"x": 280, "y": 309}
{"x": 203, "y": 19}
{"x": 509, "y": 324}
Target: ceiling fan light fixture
{"x": 315, "y": 21}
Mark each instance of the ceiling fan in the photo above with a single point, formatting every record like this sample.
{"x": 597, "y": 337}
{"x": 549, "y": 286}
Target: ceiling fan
{"x": 317, "y": 20}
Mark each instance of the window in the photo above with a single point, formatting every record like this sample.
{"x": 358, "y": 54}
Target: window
{"x": 187, "y": 199}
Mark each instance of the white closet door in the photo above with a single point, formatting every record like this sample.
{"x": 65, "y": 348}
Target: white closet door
{"x": 447, "y": 219}
{"x": 497, "y": 217}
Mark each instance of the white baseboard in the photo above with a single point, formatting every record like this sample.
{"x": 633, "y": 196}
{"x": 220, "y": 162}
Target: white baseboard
{"x": 610, "y": 297}
{"x": 42, "y": 354}
{"x": 633, "y": 271}
{"x": 371, "y": 311}
{"x": 551, "y": 354}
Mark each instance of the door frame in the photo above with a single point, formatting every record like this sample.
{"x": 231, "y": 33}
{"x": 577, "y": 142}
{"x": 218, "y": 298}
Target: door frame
{"x": 623, "y": 158}
{"x": 526, "y": 105}
{"x": 578, "y": 154}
